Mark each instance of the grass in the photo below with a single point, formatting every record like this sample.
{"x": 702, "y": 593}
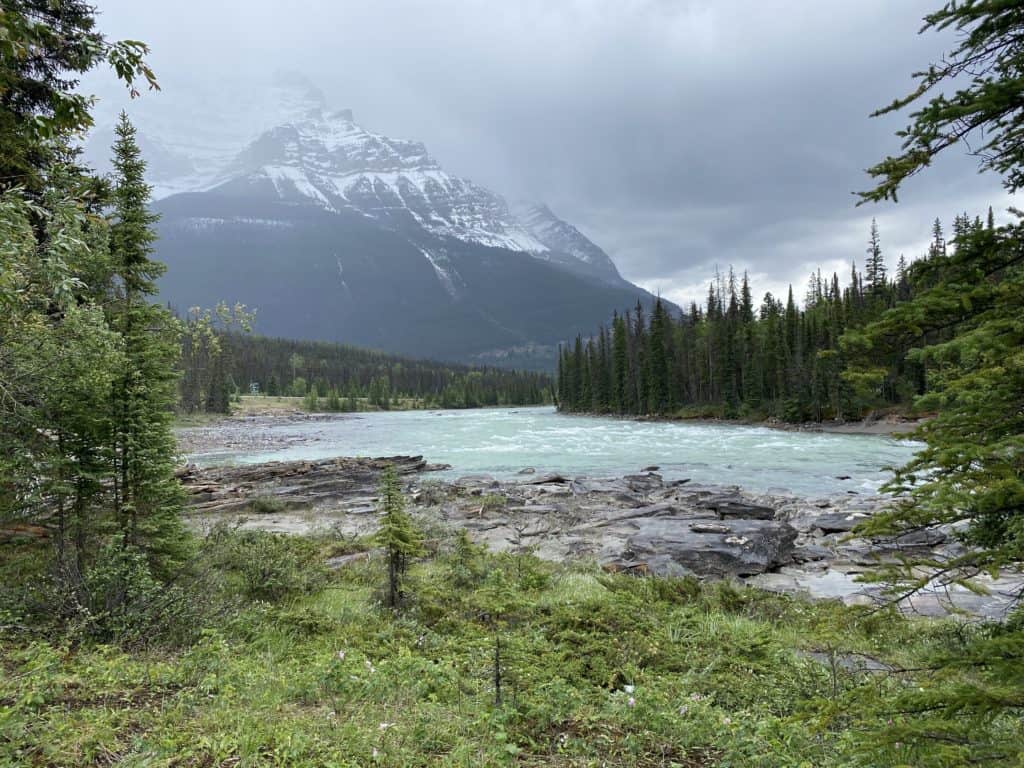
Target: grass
{"x": 597, "y": 670}
{"x": 258, "y": 405}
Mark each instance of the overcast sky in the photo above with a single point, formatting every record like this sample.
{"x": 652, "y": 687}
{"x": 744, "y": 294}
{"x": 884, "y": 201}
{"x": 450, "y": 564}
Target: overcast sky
{"x": 676, "y": 134}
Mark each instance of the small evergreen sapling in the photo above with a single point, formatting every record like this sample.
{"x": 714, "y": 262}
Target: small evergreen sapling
{"x": 397, "y": 535}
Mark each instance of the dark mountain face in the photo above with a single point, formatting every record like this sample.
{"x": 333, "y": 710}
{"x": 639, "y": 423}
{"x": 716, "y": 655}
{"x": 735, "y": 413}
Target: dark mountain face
{"x": 335, "y": 233}
{"x": 313, "y": 274}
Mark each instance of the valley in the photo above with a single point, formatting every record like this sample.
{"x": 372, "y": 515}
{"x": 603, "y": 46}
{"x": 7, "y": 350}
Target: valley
{"x": 323, "y": 449}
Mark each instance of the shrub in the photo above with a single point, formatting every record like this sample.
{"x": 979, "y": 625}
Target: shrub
{"x": 266, "y": 505}
{"x": 119, "y": 600}
{"x": 272, "y": 566}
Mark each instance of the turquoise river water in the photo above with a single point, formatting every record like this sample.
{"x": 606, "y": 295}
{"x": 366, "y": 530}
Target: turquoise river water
{"x": 501, "y": 442}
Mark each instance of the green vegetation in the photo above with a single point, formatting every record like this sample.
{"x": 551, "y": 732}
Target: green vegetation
{"x": 205, "y": 384}
{"x": 126, "y": 640}
{"x": 946, "y": 337}
{"x": 965, "y": 331}
{"x": 397, "y": 536}
{"x": 338, "y": 377}
{"x": 266, "y": 505}
{"x": 86, "y": 359}
{"x": 293, "y": 666}
{"x": 729, "y": 359}
{"x": 44, "y": 48}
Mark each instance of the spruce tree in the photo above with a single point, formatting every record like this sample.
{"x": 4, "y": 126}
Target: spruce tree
{"x": 659, "y": 339}
{"x": 970, "y": 475}
{"x": 937, "y": 249}
{"x": 147, "y": 496}
{"x": 874, "y": 267}
{"x": 621, "y": 399}
{"x": 397, "y": 535}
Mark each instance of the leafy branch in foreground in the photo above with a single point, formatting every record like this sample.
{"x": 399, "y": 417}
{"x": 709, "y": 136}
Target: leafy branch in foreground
{"x": 988, "y": 108}
{"x": 44, "y": 47}
{"x": 965, "y": 330}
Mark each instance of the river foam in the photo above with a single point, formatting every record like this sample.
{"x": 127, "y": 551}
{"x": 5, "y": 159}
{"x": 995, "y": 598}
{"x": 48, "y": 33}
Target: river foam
{"x": 501, "y": 442}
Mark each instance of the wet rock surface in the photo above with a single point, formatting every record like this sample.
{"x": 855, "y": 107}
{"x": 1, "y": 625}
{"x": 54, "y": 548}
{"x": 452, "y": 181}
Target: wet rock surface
{"x": 291, "y": 495}
{"x": 741, "y": 548}
{"x": 636, "y": 523}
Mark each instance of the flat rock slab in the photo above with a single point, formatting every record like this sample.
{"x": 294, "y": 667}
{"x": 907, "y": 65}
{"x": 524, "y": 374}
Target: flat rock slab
{"x": 736, "y": 507}
{"x": 839, "y": 522}
{"x": 293, "y": 484}
{"x": 740, "y": 548}
{"x": 936, "y": 600}
{"x": 639, "y": 524}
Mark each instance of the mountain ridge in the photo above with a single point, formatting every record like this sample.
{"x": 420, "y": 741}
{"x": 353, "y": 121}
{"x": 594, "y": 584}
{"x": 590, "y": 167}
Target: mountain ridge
{"x": 324, "y": 226}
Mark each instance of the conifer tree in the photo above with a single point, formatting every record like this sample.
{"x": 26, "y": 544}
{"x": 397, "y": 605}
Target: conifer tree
{"x": 937, "y": 249}
{"x": 658, "y": 356}
{"x": 146, "y": 494}
{"x": 968, "y": 319}
{"x": 874, "y": 267}
{"x": 397, "y": 535}
{"x": 620, "y": 365}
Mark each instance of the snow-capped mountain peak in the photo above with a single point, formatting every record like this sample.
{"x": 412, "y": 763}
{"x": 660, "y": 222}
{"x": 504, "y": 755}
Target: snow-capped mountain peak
{"x": 562, "y": 239}
{"x": 282, "y": 136}
{"x": 331, "y": 161}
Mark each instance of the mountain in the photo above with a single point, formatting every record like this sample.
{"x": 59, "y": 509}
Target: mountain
{"x": 337, "y": 233}
{"x": 564, "y": 244}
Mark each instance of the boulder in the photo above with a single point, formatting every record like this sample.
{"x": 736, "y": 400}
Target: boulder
{"x": 839, "y": 522}
{"x": 548, "y": 479}
{"x": 738, "y": 548}
{"x": 645, "y": 483}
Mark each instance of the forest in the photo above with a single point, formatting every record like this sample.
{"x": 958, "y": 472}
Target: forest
{"x": 334, "y": 376}
{"x": 795, "y": 361}
{"x": 130, "y": 634}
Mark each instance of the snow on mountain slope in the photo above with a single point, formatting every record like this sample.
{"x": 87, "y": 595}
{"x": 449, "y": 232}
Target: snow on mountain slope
{"x": 280, "y": 137}
{"x": 565, "y": 242}
{"x": 201, "y": 122}
{"x": 331, "y": 161}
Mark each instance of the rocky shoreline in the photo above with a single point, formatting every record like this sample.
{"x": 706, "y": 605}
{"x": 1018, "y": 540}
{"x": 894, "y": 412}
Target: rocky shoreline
{"x": 887, "y": 426}
{"x": 638, "y": 523}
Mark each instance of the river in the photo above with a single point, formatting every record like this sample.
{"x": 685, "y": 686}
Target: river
{"x": 503, "y": 441}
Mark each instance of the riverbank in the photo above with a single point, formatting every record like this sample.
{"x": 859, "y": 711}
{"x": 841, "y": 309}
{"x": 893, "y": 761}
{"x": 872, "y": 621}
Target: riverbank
{"x": 283, "y": 406}
{"x": 889, "y": 425}
{"x": 638, "y": 523}
{"x": 527, "y": 648}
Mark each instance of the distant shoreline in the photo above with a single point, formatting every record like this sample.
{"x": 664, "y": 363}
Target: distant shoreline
{"x": 884, "y": 427}
{"x": 880, "y": 427}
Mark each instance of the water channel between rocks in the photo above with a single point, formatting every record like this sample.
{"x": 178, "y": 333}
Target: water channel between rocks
{"x": 503, "y": 441}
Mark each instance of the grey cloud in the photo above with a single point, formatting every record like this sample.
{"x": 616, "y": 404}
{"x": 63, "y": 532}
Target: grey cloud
{"x": 679, "y": 135}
